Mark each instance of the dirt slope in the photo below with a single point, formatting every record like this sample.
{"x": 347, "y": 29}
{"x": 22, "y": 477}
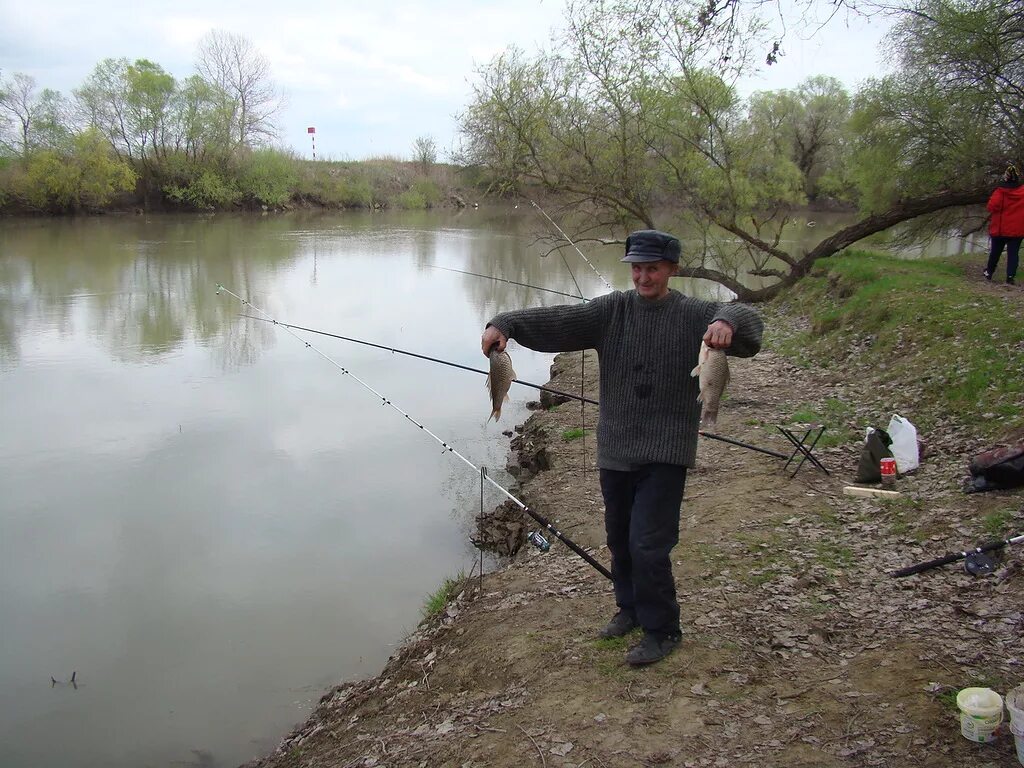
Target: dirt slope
{"x": 799, "y": 649}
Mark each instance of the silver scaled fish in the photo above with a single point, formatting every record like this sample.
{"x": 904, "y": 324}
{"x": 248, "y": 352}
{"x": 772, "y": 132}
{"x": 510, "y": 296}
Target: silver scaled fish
{"x": 712, "y": 370}
{"x": 499, "y": 380}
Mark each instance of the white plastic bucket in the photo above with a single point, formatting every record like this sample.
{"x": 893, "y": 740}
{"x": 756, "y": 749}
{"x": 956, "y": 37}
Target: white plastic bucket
{"x": 981, "y": 712}
{"x": 1018, "y": 738}
{"x": 1015, "y": 706}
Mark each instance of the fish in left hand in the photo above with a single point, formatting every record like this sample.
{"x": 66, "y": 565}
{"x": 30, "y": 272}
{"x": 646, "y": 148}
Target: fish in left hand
{"x": 499, "y": 381}
{"x": 712, "y": 370}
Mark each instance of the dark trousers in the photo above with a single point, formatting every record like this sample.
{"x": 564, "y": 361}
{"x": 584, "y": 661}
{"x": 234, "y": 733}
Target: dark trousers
{"x": 641, "y": 518}
{"x": 1012, "y": 245}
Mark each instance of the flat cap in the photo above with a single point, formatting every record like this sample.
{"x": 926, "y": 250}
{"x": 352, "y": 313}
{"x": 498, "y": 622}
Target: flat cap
{"x": 652, "y": 245}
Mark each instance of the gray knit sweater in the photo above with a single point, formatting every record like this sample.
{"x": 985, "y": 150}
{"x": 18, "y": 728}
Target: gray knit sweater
{"x": 649, "y": 410}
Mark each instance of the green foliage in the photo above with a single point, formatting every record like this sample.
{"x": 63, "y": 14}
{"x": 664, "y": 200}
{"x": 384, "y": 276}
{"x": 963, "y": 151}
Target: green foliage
{"x": 950, "y": 114}
{"x": 267, "y": 177}
{"x": 438, "y": 600}
{"x": 575, "y": 433}
{"x": 207, "y": 190}
{"x": 423, "y": 194}
{"x": 86, "y": 178}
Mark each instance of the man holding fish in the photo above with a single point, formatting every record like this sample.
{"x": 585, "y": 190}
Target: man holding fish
{"x": 647, "y": 341}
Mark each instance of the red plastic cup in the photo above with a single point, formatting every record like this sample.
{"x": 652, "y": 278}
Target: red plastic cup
{"x": 888, "y": 469}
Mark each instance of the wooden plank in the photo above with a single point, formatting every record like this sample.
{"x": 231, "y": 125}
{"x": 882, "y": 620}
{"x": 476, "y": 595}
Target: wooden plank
{"x": 856, "y": 490}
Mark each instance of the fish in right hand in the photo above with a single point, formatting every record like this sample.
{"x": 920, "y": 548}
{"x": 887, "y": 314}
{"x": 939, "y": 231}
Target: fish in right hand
{"x": 712, "y": 370}
{"x": 499, "y": 381}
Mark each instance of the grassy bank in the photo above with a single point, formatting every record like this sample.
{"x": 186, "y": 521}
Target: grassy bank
{"x": 925, "y": 336}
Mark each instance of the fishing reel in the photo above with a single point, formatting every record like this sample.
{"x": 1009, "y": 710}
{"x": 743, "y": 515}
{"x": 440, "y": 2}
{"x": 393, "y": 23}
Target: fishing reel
{"x": 979, "y": 564}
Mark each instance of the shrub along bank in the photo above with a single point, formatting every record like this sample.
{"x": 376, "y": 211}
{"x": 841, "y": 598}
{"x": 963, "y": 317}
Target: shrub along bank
{"x": 86, "y": 176}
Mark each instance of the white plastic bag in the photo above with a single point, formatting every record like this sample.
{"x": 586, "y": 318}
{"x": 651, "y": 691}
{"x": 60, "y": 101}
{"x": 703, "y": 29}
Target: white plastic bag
{"x": 904, "y": 444}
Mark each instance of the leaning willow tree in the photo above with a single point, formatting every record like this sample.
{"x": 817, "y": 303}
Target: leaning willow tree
{"x": 635, "y": 112}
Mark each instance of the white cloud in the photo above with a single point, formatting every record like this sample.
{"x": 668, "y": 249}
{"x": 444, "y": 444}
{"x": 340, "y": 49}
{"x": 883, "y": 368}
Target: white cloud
{"x": 370, "y": 76}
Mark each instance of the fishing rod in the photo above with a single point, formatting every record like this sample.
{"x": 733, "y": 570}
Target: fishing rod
{"x": 952, "y": 557}
{"x": 414, "y": 354}
{"x": 510, "y": 282}
{"x": 544, "y": 522}
{"x": 569, "y": 395}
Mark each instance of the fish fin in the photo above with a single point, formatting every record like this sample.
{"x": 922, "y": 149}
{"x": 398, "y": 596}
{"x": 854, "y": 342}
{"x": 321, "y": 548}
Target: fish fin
{"x": 696, "y": 370}
{"x": 495, "y": 414}
{"x": 487, "y": 382}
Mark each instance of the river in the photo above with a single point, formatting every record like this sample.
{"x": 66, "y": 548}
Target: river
{"x": 203, "y": 519}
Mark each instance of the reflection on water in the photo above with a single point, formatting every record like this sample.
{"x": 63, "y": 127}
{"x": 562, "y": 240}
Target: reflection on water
{"x": 202, "y": 519}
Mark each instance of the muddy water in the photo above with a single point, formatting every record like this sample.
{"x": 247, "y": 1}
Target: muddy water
{"x": 201, "y": 518}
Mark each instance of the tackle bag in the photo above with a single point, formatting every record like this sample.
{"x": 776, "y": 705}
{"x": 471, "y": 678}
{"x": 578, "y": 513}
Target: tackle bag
{"x": 876, "y": 448}
{"x": 997, "y": 468}
{"x": 904, "y": 444}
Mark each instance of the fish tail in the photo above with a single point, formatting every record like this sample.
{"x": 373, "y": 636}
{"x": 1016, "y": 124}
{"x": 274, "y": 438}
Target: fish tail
{"x": 709, "y": 417}
{"x": 495, "y": 414}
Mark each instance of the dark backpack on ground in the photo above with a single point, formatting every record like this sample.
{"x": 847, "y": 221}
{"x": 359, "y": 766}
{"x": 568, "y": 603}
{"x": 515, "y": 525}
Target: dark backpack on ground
{"x": 997, "y": 468}
{"x": 876, "y": 448}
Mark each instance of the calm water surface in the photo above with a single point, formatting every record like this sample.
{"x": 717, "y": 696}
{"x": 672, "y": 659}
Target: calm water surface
{"x": 207, "y": 521}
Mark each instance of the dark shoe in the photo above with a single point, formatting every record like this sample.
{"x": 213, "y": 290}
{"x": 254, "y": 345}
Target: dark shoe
{"x": 651, "y": 648}
{"x": 621, "y": 624}
{"x": 1010, "y": 281}
{"x": 987, "y": 274}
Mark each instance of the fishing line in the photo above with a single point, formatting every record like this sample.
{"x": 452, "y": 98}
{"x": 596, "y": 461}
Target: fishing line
{"x": 512, "y": 282}
{"x": 569, "y": 240}
{"x": 444, "y": 444}
{"x": 583, "y": 355}
{"x": 397, "y": 351}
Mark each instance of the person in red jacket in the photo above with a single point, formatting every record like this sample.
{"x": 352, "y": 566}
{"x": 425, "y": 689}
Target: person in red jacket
{"x": 1007, "y": 225}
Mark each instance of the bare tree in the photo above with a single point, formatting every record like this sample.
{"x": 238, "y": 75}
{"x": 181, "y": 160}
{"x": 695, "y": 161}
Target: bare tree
{"x": 424, "y": 153}
{"x": 18, "y": 100}
{"x": 242, "y": 75}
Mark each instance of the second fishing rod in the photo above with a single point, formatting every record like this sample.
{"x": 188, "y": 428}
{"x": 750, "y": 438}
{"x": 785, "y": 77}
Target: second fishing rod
{"x": 559, "y": 393}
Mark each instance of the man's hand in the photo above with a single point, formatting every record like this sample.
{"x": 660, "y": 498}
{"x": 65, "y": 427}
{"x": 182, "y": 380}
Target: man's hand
{"x": 718, "y": 335}
{"x": 492, "y": 336}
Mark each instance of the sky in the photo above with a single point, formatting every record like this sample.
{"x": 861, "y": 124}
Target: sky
{"x": 370, "y": 77}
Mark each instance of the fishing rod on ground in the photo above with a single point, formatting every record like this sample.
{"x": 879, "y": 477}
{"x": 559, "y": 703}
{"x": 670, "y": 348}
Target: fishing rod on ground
{"x": 568, "y": 395}
{"x": 541, "y": 520}
{"x": 981, "y": 566}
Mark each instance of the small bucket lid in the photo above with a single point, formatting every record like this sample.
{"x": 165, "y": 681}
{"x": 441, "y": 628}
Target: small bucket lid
{"x": 980, "y": 701}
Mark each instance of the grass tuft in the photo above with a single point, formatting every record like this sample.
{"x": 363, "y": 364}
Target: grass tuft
{"x": 444, "y": 594}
